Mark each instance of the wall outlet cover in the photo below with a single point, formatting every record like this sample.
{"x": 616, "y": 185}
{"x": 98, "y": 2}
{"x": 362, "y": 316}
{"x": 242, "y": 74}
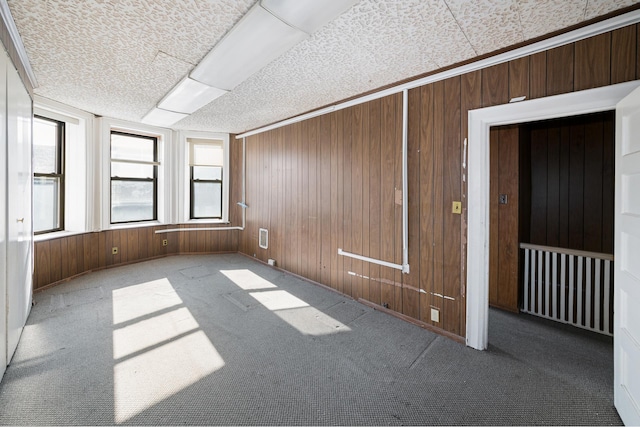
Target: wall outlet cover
{"x": 435, "y": 315}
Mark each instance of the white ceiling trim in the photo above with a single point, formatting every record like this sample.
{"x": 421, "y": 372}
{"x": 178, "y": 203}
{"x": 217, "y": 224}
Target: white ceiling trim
{"x": 7, "y": 18}
{"x": 601, "y": 27}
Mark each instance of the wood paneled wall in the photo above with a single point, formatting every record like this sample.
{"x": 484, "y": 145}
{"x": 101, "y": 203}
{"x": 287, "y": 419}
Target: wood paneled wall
{"x": 504, "y": 226}
{"x": 330, "y": 182}
{"x": 59, "y": 259}
{"x": 572, "y": 182}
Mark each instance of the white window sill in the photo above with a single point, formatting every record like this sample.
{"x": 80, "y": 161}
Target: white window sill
{"x": 206, "y": 221}
{"x": 56, "y": 235}
{"x": 134, "y": 225}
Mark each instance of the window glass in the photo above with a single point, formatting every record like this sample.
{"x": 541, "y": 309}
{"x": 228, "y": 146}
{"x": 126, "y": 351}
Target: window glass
{"x": 132, "y": 147}
{"x": 46, "y": 203}
{"x": 131, "y": 170}
{"x": 132, "y": 201}
{"x": 207, "y": 200}
{"x": 207, "y": 173}
{"x": 45, "y": 146}
{"x": 133, "y": 178}
{"x": 206, "y": 160}
{"x": 48, "y": 176}
{"x": 206, "y": 154}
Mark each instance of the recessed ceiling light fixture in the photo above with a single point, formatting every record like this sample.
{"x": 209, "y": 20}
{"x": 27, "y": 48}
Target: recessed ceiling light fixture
{"x": 269, "y": 29}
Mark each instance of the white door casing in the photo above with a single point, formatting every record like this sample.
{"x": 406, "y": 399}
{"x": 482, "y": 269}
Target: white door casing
{"x": 626, "y": 321}
{"x": 480, "y": 121}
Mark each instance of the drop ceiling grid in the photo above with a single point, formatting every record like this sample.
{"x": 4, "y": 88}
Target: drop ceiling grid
{"x": 117, "y": 58}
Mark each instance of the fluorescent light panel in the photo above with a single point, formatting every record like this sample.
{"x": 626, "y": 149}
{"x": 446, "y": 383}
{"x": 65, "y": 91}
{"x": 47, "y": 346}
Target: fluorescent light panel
{"x": 189, "y": 95}
{"x": 307, "y": 15}
{"x": 254, "y": 42}
{"x": 163, "y": 118}
{"x": 269, "y": 29}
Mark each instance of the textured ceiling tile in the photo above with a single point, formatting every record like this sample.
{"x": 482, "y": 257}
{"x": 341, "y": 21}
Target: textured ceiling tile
{"x": 117, "y": 58}
{"x": 488, "y": 24}
{"x": 375, "y": 43}
{"x": 539, "y": 17}
{"x": 601, "y": 7}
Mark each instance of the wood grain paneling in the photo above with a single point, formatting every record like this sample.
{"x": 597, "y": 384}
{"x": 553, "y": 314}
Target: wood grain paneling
{"x": 326, "y": 182}
{"x": 518, "y": 78}
{"x": 608, "y": 182}
{"x": 426, "y": 211}
{"x": 359, "y": 170}
{"x": 623, "y": 54}
{"x": 411, "y": 296}
{"x": 538, "y": 75}
{"x": 60, "y": 259}
{"x": 504, "y": 238}
{"x": 559, "y": 69}
{"x": 571, "y": 163}
{"x": 451, "y": 193}
{"x": 438, "y": 198}
{"x": 387, "y": 200}
{"x": 357, "y": 215}
{"x": 348, "y": 223}
{"x": 495, "y": 85}
{"x": 375, "y": 221}
{"x": 593, "y": 62}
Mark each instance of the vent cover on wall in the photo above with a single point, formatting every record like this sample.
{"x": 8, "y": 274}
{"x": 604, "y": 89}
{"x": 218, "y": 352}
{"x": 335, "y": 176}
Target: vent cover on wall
{"x": 263, "y": 238}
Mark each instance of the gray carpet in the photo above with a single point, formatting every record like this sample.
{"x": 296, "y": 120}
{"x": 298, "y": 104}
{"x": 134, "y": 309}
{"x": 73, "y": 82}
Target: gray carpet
{"x": 224, "y": 340}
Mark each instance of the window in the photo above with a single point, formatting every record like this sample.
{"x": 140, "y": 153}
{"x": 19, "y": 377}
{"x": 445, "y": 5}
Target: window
{"x": 134, "y": 178}
{"x": 206, "y": 160}
{"x": 48, "y": 175}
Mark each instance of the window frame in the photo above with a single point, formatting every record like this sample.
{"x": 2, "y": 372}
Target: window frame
{"x": 193, "y": 181}
{"x": 60, "y": 167}
{"x": 155, "y": 163}
{"x": 182, "y": 156}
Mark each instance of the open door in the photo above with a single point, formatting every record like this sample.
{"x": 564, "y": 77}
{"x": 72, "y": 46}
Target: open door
{"x": 626, "y": 330}
{"x": 19, "y": 225}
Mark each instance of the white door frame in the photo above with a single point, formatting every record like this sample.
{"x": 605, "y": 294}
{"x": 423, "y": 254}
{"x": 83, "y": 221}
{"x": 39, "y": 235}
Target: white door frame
{"x": 480, "y": 121}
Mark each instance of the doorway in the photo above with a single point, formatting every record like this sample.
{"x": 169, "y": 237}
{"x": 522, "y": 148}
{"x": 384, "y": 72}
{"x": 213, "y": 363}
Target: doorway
{"x": 551, "y": 214}
{"x": 480, "y": 122}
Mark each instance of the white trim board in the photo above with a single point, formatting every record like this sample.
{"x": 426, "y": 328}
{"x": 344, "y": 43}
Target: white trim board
{"x": 480, "y": 121}
{"x": 601, "y": 27}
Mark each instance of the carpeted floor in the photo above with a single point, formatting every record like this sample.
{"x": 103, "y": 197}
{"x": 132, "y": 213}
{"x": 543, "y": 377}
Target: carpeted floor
{"x": 222, "y": 339}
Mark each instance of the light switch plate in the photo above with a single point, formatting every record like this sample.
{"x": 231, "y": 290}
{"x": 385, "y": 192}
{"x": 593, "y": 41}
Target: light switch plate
{"x": 456, "y": 208}
{"x": 435, "y": 315}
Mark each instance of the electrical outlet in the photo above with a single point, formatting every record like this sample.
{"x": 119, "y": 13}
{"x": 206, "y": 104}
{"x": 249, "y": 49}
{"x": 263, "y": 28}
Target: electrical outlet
{"x": 435, "y": 315}
{"x": 114, "y": 250}
{"x": 165, "y": 242}
{"x": 456, "y": 208}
